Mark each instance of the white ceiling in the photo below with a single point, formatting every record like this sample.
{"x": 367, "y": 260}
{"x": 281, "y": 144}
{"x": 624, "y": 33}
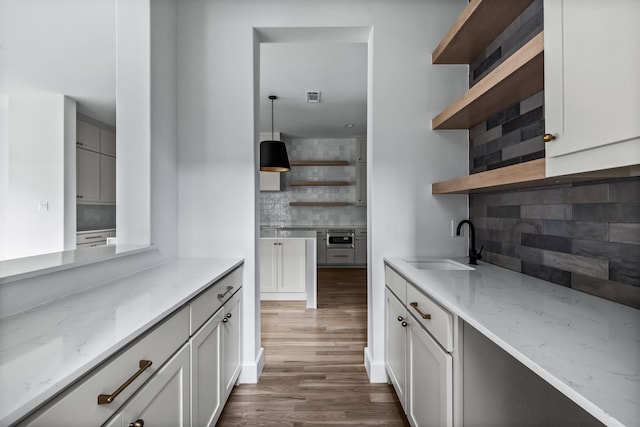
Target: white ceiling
{"x": 66, "y": 47}
{"x": 337, "y": 70}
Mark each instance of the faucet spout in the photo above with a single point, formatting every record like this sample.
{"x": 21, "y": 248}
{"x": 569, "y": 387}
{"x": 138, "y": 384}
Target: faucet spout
{"x": 474, "y": 255}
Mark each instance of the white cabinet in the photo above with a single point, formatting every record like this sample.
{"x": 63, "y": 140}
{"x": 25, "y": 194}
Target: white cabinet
{"x": 87, "y": 136}
{"x": 420, "y": 351}
{"x": 430, "y": 379}
{"x": 164, "y": 400}
{"x": 206, "y": 402}
{"x": 361, "y": 247}
{"x": 108, "y": 142}
{"x": 95, "y": 164}
{"x": 283, "y": 268}
{"x": 395, "y": 346}
{"x": 87, "y": 176}
{"x": 107, "y": 179}
{"x": 592, "y": 90}
{"x": 194, "y": 360}
{"x": 232, "y": 344}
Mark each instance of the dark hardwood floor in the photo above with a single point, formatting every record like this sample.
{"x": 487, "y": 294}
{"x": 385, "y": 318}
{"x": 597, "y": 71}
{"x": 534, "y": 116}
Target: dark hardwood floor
{"x": 314, "y": 364}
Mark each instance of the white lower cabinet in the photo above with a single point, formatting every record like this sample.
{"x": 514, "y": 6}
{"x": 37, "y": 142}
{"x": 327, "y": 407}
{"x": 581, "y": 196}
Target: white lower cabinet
{"x": 417, "y": 361}
{"x": 395, "y": 349}
{"x": 429, "y": 380}
{"x": 206, "y": 403}
{"x": 283, "y": 268}
{"x": 177, "y": 375}
{"x": 163, "y": 401}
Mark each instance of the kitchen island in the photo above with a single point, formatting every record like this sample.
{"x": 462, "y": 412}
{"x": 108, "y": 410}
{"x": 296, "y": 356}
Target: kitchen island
{"x": 288, "y": 268}
{"x": 586, "y": 347}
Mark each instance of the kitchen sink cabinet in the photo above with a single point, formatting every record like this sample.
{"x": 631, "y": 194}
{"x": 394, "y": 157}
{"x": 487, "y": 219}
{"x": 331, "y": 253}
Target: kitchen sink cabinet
{"x": 283, "y": 268}
{"x": 395, "y": 348}
{"x": 420, "y": 355}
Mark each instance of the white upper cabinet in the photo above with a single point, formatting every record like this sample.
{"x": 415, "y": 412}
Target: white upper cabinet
{"x": 87, "y": 136}
{"x": 107, "y": 142}
{"x": 592, "y": 89}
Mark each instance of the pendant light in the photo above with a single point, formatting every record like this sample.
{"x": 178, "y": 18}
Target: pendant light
{"x": 273, "y": 154}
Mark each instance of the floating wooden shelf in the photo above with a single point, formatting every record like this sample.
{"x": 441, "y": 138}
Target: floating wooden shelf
{"x": 523, "y": 175}
{"x": 520, "y": 76}
{"x": 319, "y": 163}
{"x": 478, "y": 24}
{"x": 318, "y": 183}
{"x": 319, "y": 204}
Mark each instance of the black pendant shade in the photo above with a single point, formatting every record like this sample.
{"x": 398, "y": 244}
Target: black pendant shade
{"x": 273, "y": 154}
{"x": 273, "y": 157}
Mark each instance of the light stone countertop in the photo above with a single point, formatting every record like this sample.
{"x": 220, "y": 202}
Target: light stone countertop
{"x": 287, "y": 234}
{"x": 586, "y": 347}
{"x": 45, "y": 349}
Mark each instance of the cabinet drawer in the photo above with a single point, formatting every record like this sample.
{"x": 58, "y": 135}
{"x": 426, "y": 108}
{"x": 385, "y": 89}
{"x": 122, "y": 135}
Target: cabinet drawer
{"x": 91, "y": 237}
{"x": 340, "y": 256}
{"x": 440, "y": 321}
{"x": 396, "y": 283}
{"x": 81, "y": 401}
{"x": 205, "y": 304}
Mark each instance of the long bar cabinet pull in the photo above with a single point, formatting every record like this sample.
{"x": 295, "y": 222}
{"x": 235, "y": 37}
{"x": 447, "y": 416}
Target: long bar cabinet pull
{"x": 420, "y": 312}
{"x": 229, "y": 288}
{"x": 105, "y": 399}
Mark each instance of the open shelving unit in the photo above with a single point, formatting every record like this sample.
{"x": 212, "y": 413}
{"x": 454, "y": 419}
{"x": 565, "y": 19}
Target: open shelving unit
{"x": 479, "y": 23}
{"x": 319, "y": 204}
{"x": 318, "y": 183}
{"x": 319, "y": 163}
{"x": 519, "y": 76}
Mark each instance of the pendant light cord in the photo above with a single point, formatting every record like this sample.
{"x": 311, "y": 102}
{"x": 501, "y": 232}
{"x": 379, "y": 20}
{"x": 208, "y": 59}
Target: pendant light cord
{"x": 272, "y": 119}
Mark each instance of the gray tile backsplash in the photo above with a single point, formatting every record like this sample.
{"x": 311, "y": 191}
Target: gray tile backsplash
{"x": 274, "y": 206}
{"x": 95, "y": 217}
{"x": 585, "y": 236}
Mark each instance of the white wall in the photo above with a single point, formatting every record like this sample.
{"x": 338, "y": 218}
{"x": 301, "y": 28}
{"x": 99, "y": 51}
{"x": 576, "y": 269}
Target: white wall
{"x": 19, "y": 295}
{"x": 40, "y": 146}
{"x": 217, "y": 130}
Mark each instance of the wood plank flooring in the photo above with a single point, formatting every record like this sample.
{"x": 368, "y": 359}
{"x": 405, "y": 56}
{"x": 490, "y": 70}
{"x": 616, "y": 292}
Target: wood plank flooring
{"x": 314, "y": 364}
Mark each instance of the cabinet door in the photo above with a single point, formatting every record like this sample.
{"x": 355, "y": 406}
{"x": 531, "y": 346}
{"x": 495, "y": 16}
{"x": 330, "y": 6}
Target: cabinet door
{"x": 592, "y": 88}
{"x": 231, "y": 346}
{"x": 107, "y": 179}
{"x": 107, "y": 142}
{"x": 164, "y": 400}
{"x": 395, "y": 345}
{"x": 205, "y": 369}
{"x": 268, "y": 265}
{"x": 361, "y": 149}
{"x": 361, "y": 249}
{"x": 87, "y": 176}
{"x": 430, "y": 380}
{"x": 87, "y": 136}
{"x": 321, "y": 246}
{"x": 361, "y": 184}
{"x": 293, "y": 264}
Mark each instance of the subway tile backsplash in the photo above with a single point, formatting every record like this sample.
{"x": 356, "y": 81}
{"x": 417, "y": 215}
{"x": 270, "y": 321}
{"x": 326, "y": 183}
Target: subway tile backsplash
{"x": 585, "y": 236}
{"x": 274, "y": 206}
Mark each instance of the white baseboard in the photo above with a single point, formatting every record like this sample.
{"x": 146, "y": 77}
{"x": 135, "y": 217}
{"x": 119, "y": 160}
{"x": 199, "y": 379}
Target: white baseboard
{"x": 251, "y": 372}
{"x": 376, "y": 370}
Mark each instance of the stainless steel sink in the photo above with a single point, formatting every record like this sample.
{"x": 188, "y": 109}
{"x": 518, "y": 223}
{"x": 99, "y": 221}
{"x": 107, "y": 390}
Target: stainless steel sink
{"x": 437, "y": 264}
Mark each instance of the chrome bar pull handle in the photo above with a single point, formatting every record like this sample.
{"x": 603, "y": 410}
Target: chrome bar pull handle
{"x": 420, "y": 312}
{"x": 229, "y": 289}
{"x": 105, "y": 399}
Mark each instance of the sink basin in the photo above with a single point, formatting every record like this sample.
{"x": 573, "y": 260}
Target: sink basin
{"x": 438, "y": 264}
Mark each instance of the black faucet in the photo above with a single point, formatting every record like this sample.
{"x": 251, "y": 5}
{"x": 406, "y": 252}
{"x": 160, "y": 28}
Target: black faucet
{"x": 474, "y": 255}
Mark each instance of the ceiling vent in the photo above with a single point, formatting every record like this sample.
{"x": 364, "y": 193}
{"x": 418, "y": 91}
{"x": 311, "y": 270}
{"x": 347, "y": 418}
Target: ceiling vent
{"x": 313, "y": 96}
